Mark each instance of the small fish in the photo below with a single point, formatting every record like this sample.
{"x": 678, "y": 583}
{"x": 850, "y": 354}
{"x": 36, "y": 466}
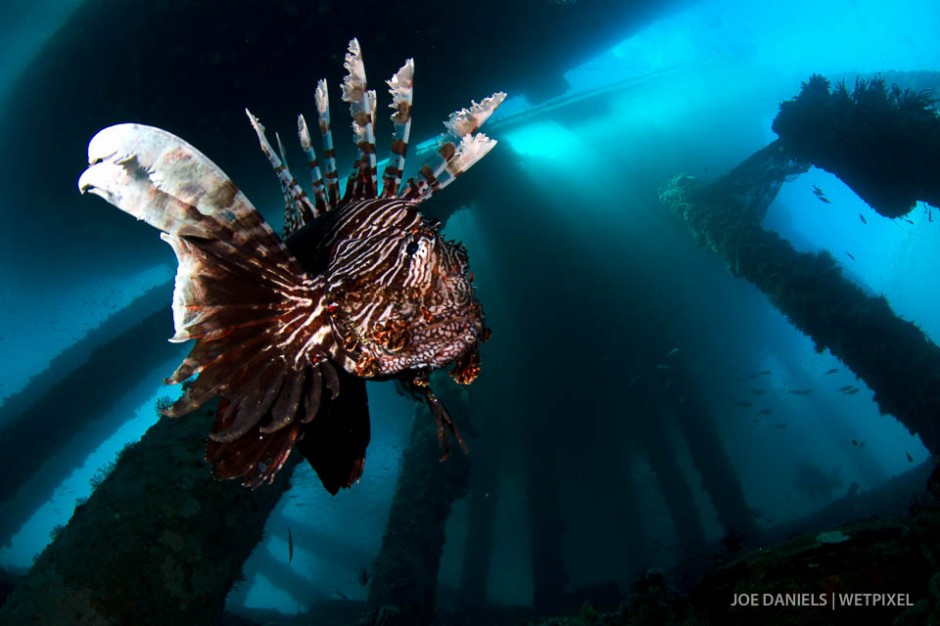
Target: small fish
{"x": 908, "y": 220}
{"x": 744, "y": 403}
{"x": 764, "y": 373}
{"x": 862, "y": 217}
{"x": 672, "y": 352}
{"x": 758, "y": 392}
{"x": 818, "y": 191}
{"x": 669, "y": 383}
{"x": 850, "y": 255}
{"x": 662, "y": 367}
{"x": 801, "y": 392}
{"x": 852, "y": 391}
{"x": 341, "y": 595}
{"x": 824, "y": 199}
{"x": 361, "y": 286}
{"x": 363, "y": 577}
{"x": 845, "y": 388}
{"x": 832, "y": 371}
{"x": 779, "y": 426}
{"x": 910, "y": 459}
{"x": 290, "y": 546}
{"x": 765, "y": 412}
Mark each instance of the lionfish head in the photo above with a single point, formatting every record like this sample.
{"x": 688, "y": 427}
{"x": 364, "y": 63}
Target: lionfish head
{"x": 414, "y": 309}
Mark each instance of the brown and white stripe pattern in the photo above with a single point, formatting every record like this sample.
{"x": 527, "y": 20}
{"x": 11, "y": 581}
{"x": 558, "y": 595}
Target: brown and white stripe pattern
{"x": 299, "y": 210}
{"x": 322, "y": 98}
{"x": 455, "y": 158}
{"x": 362, "y": 181}
{"x": 260, "y": 324}
{"x": 401, "y": 88}
{"x": 285, "y": 332}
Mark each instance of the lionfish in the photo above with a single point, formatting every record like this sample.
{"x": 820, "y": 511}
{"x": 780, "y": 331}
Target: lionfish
{"x": 287, "y": 331}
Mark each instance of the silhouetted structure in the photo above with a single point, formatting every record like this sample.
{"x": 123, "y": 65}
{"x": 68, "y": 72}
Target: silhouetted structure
{"x": 894, "y": 357}
{"x": 883, "y": 143}
{"x": 60, "y": 402}
{"x": 477, "y": 553}
{"x": 709, "y": 456}
{"x": 650, "y": 424}
{"x": 159, "y": 542}
{"x": 545, "y": 523}
{"x": 404, "y": 580}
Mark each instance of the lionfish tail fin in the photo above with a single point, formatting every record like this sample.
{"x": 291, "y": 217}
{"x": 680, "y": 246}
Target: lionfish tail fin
{"x": 259, "y": 322}
{"x": 455, "y": 159}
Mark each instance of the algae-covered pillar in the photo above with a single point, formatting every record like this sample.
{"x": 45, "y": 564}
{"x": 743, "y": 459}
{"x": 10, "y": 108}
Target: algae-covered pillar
{"x": 33, "y": 423}
{"x": 545, "y": 523}
{"x": 709, "y": 456}
{"x": 674, "y": 486}
{"x": 883, "y": 143}
{"x": 478, "y": 549}
{"x": 894, "y": 357}
{"x": 404, "y": 582}
{"x": 160, "y": 541}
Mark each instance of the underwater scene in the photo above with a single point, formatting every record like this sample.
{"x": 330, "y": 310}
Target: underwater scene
{"x": 665, "y": 354}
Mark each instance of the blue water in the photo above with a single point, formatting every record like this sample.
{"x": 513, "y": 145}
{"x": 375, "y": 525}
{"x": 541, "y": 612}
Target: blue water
{"x": 694, "y": 92}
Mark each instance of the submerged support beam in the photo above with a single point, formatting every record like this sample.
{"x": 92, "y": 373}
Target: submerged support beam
{"x": 546, "y": 526}
{"x": 404, "y": 582}
{"x": 650, "y": 424}
{"x": 56, "y": 406}
{"x": 894, "y": 357}
{"x": 478, "y": 550}
{"x": 159, "y": 542}
{"x": 710, "y": 457}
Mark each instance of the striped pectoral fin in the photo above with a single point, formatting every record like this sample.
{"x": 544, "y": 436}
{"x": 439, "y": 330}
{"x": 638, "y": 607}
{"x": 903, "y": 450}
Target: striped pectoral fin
{"x": 260, "y": 419}
{"x": 259, "y": 322}
{"x": 321, "y": 409}
{"x": 255, "y": 458}
{"x": 262, "y": 336}
{"x": 163, "y": 180}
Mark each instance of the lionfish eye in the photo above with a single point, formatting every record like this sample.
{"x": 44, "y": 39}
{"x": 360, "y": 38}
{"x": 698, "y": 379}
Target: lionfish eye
{"x": 411, "y": 248}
